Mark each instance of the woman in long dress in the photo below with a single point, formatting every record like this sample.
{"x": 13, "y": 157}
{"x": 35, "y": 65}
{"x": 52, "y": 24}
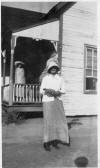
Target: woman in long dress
{"x": 19, "y": 79}
{"x": 55, "y": 123}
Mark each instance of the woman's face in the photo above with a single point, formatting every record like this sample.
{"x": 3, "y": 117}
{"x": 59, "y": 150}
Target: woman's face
{"x": 20, "y": 66}
{"x": 53, "y": 70}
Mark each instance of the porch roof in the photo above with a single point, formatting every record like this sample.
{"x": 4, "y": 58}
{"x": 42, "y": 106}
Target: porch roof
{"x": 48, "y": 31}
{"x": 41, "y": 7}
{"x": 21, "y": 15}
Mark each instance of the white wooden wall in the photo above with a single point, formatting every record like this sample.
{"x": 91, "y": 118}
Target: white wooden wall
{"x": 79, "y": 28}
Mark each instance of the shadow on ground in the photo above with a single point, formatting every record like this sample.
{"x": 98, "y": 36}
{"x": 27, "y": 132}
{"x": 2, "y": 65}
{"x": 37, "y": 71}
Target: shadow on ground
{"x": 74, "y": 122}
{"x": 81, "y": 162}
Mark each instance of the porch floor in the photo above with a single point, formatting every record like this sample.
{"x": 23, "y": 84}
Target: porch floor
{"x": 22, "y": 144}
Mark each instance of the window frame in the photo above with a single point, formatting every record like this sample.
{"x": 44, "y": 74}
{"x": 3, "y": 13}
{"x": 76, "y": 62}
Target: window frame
{"x": 85, "y": 63}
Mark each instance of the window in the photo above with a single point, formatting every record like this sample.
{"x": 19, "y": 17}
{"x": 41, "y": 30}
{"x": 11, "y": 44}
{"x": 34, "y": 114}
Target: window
{"x": 90, "y": 69}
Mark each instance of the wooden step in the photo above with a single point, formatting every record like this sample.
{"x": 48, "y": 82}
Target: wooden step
{"x": 33, "y": 107}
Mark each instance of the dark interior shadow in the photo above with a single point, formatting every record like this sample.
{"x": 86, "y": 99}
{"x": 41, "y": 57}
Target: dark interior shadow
{"x": 22, "y": 117}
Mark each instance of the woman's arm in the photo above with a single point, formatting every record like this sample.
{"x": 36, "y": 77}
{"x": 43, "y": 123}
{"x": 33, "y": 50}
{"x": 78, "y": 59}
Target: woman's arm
{"x": 63, "y": 86}
{"x": 52, "y": 93}
{"x": 42, "y": 86}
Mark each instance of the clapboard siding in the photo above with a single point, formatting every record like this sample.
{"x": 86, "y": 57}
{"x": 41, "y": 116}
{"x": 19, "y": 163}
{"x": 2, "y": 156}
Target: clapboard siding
{"x": 78, "y": 104}
{"x": 72, "y": 62}
{"x": 79, "y": 28}
{"x": 77, "y": 37}
{"x": 74, "y": 82}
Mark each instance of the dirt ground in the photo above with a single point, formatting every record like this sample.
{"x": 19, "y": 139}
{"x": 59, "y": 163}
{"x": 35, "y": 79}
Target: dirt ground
{"x": 22, "y": 145}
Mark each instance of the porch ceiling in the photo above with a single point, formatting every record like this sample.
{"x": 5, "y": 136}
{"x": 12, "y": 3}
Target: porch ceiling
{"x": 48, "y": 31}
{"x": 15, "y": 19}
{"x": 18, "y": 15}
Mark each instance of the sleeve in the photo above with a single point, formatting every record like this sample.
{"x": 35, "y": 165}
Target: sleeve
{"x": 63, "y": 86}
{"x": 42, "y": 86}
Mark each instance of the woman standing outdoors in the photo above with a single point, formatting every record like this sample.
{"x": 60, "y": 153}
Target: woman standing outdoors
{"x": 55, "y": 123}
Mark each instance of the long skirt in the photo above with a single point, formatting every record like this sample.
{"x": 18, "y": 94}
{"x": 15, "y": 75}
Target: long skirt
{"x": 55, "y": 122}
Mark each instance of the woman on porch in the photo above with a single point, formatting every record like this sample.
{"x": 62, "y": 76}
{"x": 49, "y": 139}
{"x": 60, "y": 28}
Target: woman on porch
{"x": 55, "y": 123}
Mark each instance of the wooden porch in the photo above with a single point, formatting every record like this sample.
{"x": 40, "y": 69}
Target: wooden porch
{"x": 26, "y": 98}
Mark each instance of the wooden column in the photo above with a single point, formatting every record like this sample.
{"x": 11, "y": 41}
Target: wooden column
{"x": 13, "y": 44}
{"x": 60, "y": 40}
{"x": 4, "y": 65}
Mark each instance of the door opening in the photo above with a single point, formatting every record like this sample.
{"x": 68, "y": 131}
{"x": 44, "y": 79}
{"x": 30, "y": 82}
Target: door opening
{"x": 34, "y": 53}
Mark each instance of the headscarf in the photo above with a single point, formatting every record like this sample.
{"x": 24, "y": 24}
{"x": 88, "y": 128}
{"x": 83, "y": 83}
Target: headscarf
{"x": 52, "y": 61}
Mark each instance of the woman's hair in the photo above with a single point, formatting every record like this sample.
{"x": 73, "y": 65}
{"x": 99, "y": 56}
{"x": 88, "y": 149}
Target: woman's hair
{"x": 20, "y": 65}
{"x": 57, "y": 69}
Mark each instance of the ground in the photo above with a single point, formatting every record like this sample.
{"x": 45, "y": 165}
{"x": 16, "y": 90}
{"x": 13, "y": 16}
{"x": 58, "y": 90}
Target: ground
{"x": 22, "y": 144}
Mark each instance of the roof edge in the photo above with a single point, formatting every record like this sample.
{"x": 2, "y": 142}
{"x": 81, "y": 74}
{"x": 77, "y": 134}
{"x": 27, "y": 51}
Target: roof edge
{"x": 52, "y": 15}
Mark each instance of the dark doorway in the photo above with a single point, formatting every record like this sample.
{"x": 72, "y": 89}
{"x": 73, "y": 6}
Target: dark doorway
{"x": 34, "y": 53}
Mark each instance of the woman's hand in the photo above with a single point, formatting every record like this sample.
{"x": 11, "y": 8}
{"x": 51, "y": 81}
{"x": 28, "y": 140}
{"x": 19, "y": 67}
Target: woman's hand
{"x": 52, "y": 93}
{"x": 58, "y": 94}
{"x": 49, "y": 92}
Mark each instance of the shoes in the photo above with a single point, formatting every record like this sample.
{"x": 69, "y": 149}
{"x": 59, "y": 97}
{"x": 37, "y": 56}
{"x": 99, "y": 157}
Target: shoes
{"x": 55, "y": 144}
{"x": 67, "y": 144}
{"x": 47, "y": 146}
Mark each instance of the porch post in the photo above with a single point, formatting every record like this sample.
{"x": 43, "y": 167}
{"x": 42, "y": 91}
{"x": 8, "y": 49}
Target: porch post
{"x": 13, "y": 44}
{"x": 60, "y": 40}
{"x": 4, "y": 65}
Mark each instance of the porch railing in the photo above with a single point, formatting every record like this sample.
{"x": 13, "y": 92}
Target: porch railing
{"x": 25, "y": 93}
{"x": 5, "y": 93}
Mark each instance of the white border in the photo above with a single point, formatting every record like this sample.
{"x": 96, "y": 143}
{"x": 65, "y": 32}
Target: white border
{"x": 98, "y": 69}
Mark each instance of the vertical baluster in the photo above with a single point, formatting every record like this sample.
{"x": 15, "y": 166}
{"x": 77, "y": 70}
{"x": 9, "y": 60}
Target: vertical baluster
{"x": 33, "y": 93}
{"x": 26, "y": 93}
{"x": 14, "y": 93}
{"x": 39, "y": 95}
{"x": 23, "y": 93}
{"x": 36, "y": 93}
{"x": 17, "y": 92}
{"x": 29, "y": 93}
{"x": 20, "y": 92}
